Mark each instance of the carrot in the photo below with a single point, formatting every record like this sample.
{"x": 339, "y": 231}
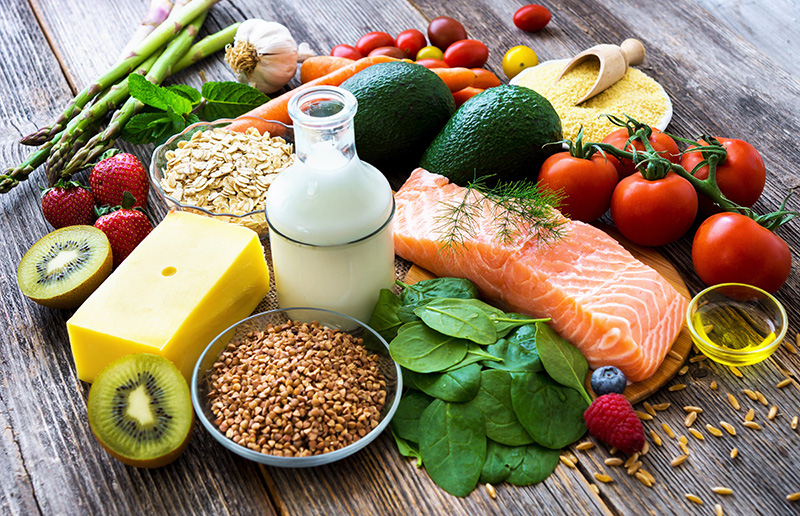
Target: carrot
{"x": 464, "y": 95}
{"x": 455, "y": 78}
{"x": 278, "y": 107}
{"x": 317, "y": 66}
{"x": 485, "y": 79}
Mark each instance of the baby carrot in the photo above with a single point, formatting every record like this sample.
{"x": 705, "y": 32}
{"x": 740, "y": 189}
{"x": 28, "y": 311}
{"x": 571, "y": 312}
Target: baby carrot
{"x": 465, "y": 94}
{"x": 455, "y": 78}
{"x": 484, "y": 79}
{"x": 317, "y": 66}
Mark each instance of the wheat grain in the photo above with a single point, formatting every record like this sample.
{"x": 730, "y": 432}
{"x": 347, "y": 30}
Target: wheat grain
{"x": 761, "y": 398}
{"x": 566, "y": 461}
{"x": 718, "y": 510}
{"x": 668, "y": 430}
{"x": 722, "y": 490}
{"x": 750, "y": 415}
{"x": 697, "y": 434}
{"x": 662, "y": 406}
{"x": 733, "y": 401}
{"x": 585, "y": 445}
{"x": 683, "y": 370}
{"x": 683, "y": 440}
{"x": 692, "y": 408}
{"x": 752, "y": 424}
{"x": 674, "y": 354}
{"x": 694, "y": 498}
{"x": 631, "y": 460}
{"x": 689, "y": 421}
{"x": 613, "y": 461}
{"x": 783, "y": 383}
{"x": 612, "y": 450}
{"x": 794, "y": 423}
{"x": 773, "y": 411}
{"x": 728, "y": 427}
{"x": 594, "y": 488}
{"x": 793, "y": 497}
{"x": 750, "y": 394}
{"x": 676, "y": 387}
{"x": 790, "y": 347}
{"x": 644, "y": 416}
{"x": 714, "y": 430}
{"x": 643, "y": 479}
{"x": 634, "y": 468}
{"x": 645, "y": 448}
{"x": 735, "y": 371}
{"x": 657, "y": 438}
{"x": 713, "y": 386}
{"x": 734, "y": 452}
{"x": 649, "y": 409}
{"x": 698, "y": 358}
{"x": 602, "y": 478}
{"x": 492, "y": 491}
{"x": 677, "y": 461}
{"x": 684, "y": 448}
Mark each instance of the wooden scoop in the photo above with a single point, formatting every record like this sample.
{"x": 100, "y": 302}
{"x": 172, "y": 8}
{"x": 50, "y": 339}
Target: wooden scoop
{"x": 614, "y": 61}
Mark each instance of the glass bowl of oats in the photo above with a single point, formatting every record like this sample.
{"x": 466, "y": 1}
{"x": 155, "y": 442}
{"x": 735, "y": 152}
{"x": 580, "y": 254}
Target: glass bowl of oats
{"x": 219, "y": 173}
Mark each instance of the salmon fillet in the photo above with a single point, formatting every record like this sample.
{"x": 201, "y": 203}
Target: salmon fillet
{"x": 615, "y": 309}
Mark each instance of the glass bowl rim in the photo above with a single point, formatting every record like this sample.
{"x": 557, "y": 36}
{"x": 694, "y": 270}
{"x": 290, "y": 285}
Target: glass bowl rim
{"x": 293, "y": 462}
{"x": 696, "y": 338}
{"x": 162, "y": 149}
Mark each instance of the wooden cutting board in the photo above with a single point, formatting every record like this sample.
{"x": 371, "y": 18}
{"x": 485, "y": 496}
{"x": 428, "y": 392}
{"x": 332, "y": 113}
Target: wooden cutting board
{"x": 638, "y": 391}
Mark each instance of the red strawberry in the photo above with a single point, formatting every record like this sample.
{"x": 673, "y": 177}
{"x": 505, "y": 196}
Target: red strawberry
{"x": 68, "y": 203}
{"x": 611, "y": 419}
{"x": 111, "y": 177}
{"x": 125, "y": 227}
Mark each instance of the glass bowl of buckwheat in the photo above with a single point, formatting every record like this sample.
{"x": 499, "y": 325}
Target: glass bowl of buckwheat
{"x": 220, "y": 173}
{"x": 296, "y": 387}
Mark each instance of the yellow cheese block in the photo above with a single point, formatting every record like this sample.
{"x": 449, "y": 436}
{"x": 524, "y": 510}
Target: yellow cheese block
{"x": 191, "y": 278}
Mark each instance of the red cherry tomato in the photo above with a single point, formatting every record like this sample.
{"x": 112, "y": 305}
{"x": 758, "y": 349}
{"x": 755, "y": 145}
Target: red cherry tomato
{"x": 661, "y": 142}
{"x": 389, "y": 51}
{"x": 740, "y": 177}
{"x": 411, "y": 41}
{"x": 653, "y": 212}
{"x": 372, "y": 40}
{"x": 432, "y": 63}
{"x": 732, "y": 248}
{"x": 467, "y": 53}
{"x": 444, "y": 31}
{"x": 348, "y": 51}
{"x": 587, "y": 184}
{"x": 532, "y": 17}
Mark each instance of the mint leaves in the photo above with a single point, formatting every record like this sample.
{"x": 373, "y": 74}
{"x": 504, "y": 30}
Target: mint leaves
{"x": 170, "y": 109}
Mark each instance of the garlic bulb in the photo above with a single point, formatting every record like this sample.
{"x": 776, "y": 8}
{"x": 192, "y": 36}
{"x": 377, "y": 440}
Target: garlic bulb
{"x": 264, "y": 55}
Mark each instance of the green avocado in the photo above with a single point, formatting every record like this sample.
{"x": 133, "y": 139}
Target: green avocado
{"x": 500, "y": 132}
{"x": 401, "y": 108}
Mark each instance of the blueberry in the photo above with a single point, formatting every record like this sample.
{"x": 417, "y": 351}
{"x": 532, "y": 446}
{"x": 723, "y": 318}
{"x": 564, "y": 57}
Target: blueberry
{"x": 608, "y": 379}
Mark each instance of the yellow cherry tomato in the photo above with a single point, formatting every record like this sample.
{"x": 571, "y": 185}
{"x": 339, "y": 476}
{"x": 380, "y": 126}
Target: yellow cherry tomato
{"x": 430, "y": 52}
{"x": 517, "y": 59}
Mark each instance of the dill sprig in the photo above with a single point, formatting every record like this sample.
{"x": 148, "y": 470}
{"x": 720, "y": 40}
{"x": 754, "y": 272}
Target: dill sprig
{"x": 518, "y": 209}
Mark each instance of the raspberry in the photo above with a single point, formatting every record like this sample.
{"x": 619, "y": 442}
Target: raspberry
{"x": 611, "y": 419}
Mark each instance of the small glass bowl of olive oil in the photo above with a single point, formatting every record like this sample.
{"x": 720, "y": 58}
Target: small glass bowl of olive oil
{"x": 736, "y": 324}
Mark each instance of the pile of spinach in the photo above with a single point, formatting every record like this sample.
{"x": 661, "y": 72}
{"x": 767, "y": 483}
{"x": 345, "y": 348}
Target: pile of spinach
{"x": 490, "y": 396}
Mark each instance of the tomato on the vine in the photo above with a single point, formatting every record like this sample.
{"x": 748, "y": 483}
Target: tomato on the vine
{"x": 372, "y": 40}
{"x": 532, "y": 17}
{"x": 587, "y": 184}
{"x": 517, "y": 59}
{"x": 653, "y": 212}
{"x": 348, "y": 51}
{"x": 411, "y": 41}
{"x": 661, "y": 142}
{"x": 467, "y": 53}
{"x": 732, "y": 248}
{"x": 740, "y": 177}
{"x": 443, "y": 31}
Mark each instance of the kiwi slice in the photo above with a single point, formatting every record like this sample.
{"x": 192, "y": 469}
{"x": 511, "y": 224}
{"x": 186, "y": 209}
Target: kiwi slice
{"x": 65, "y": 266}
{"x": 140, "y": 410}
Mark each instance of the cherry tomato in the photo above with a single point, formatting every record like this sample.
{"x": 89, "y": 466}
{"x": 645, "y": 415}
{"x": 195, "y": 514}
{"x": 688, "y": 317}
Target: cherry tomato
{"x": 732, "y": 248}
{"x": 432, "y": 63}
{"x": 444, "y": 31}
{"x": 532, "y": 18}
{"x": 467, "y": 53}
{"x": 653, "y": 212}
{"x": 348, "y": 51}
{"x": 430, "y": 52}
{"x": 587, "y": 184}
{"x": 485, "y": 79}
{"x": 740, "y": 177}
{"x": 517, "y": 59}
{"x": 661, "y": 142}
{"x": 411, "y": 41}
{"x": 372, "y": 40}
{"x": 388, "y": 51}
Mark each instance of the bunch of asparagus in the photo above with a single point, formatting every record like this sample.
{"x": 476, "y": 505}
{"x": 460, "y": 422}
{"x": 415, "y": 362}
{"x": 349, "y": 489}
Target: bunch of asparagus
{"x": 163, "y": 45}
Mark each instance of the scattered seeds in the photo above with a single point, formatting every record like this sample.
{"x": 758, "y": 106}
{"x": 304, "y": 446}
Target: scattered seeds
{"x": 676, "y": 387}
{"x": 713, "y": 386}
{"x": 733, "y": 401}
{"x": 594, "y": 488}
{"x": 585, "y": 445}
{"x": 684, "y": 448}
{"x": 728, "y": 427}
{"x": 644, "y": 416}
{"x": 613, "y": 461}
{"x": 697, "y": 434}
{"x": 773, "y": 411}
{"x": 674, "y": 354}
{"x": 697, "y": 358}
{"x": 783, "y": 383}
{"x": 649, "y": 476}
{"x": 752, "y": 424}
{"x": 567, "y": 462}
{"x": 649, "y": 409}
{"x": 645, "y": 448}
{"x": 683, "y": 370}
{"x": 662, "y": 406}
{"x": 643, "y": 478}
{"x": 722, "y": 490}
{"x": 761, "y": 398}
{"x": 718, "y": 510}
{"x": 735, "y": 370}
{"x": 689, "y": 421}
{"x": 631, "y": 460}
{"x": 602, "y": 478}
{"x": 794, "y": 423}
{"x": 793, "y": 497}
{"x": 492, "y": 491}
{"x": 668, "y": 429}
{"x": 657, "y": 438}
{"x": 750, "y": 394}
{"x": 714, "y": 430}
{"x": 750, "y": 415}
{"x": 677, "y": 461}
{"x": 694, "y": 498}
{"x": 734, "y": 452}
{"x": 633, "y": 468}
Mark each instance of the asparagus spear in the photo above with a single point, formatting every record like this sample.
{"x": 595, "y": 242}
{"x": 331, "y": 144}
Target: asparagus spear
{"x": 101, "y": 142}
{"x": 161, "y": 35}
{"x": 207, "y": 46}
{"x": 155, "y": 16}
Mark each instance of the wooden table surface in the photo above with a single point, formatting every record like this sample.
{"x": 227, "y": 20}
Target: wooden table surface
{"x": 730, "y": 72}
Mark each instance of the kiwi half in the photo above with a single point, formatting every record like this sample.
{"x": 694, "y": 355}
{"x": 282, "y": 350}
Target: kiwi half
{"x": 64, "y": 267}
{"x": 141, "y": 411}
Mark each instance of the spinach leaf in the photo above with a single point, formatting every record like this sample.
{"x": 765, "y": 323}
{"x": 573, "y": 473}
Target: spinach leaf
{"x": 506, "y": 322}
{"x": 408, "y": 382}
{"x": 493, "y": 400}
{"x": 551, "y": 413}
{"x": 384, "y": 318}
{"x": 438, "y": 287}
{"x": 459, "y": 385}
{"x": 537, "y": 464}
{"x": 475, "y": 354}
{"x": 518, "y": 351}
{"x": 406, "y": 313}
{"x": 453, "y": 445}
{"x": 562, "y": 361}
{"x": 456, "y": 318}
{"x": 500, "y": 461}
{"x": 407, "y": 448}
{"x": 424, "y": 350}
{"x": 405, "y": 422}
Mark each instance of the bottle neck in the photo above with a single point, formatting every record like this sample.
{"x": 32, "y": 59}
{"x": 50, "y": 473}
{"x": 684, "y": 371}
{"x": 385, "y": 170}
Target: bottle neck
{"x": 323, "y": 126}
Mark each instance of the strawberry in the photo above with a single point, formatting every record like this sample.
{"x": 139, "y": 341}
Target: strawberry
{"x": 125, "y": 226}
{"x": 68, "y": 203}
{"x": 114, "y": 175}
{"x": 611, "y": 419}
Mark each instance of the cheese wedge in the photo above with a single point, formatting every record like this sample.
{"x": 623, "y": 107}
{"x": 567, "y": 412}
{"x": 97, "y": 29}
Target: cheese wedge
{"x": 190, "y": 279}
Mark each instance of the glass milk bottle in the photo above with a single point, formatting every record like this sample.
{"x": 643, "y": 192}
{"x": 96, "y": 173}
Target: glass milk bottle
{"x": 330, "y": 213}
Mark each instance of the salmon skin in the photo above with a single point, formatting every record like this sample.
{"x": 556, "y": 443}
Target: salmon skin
{"x": 612, "y": 307}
